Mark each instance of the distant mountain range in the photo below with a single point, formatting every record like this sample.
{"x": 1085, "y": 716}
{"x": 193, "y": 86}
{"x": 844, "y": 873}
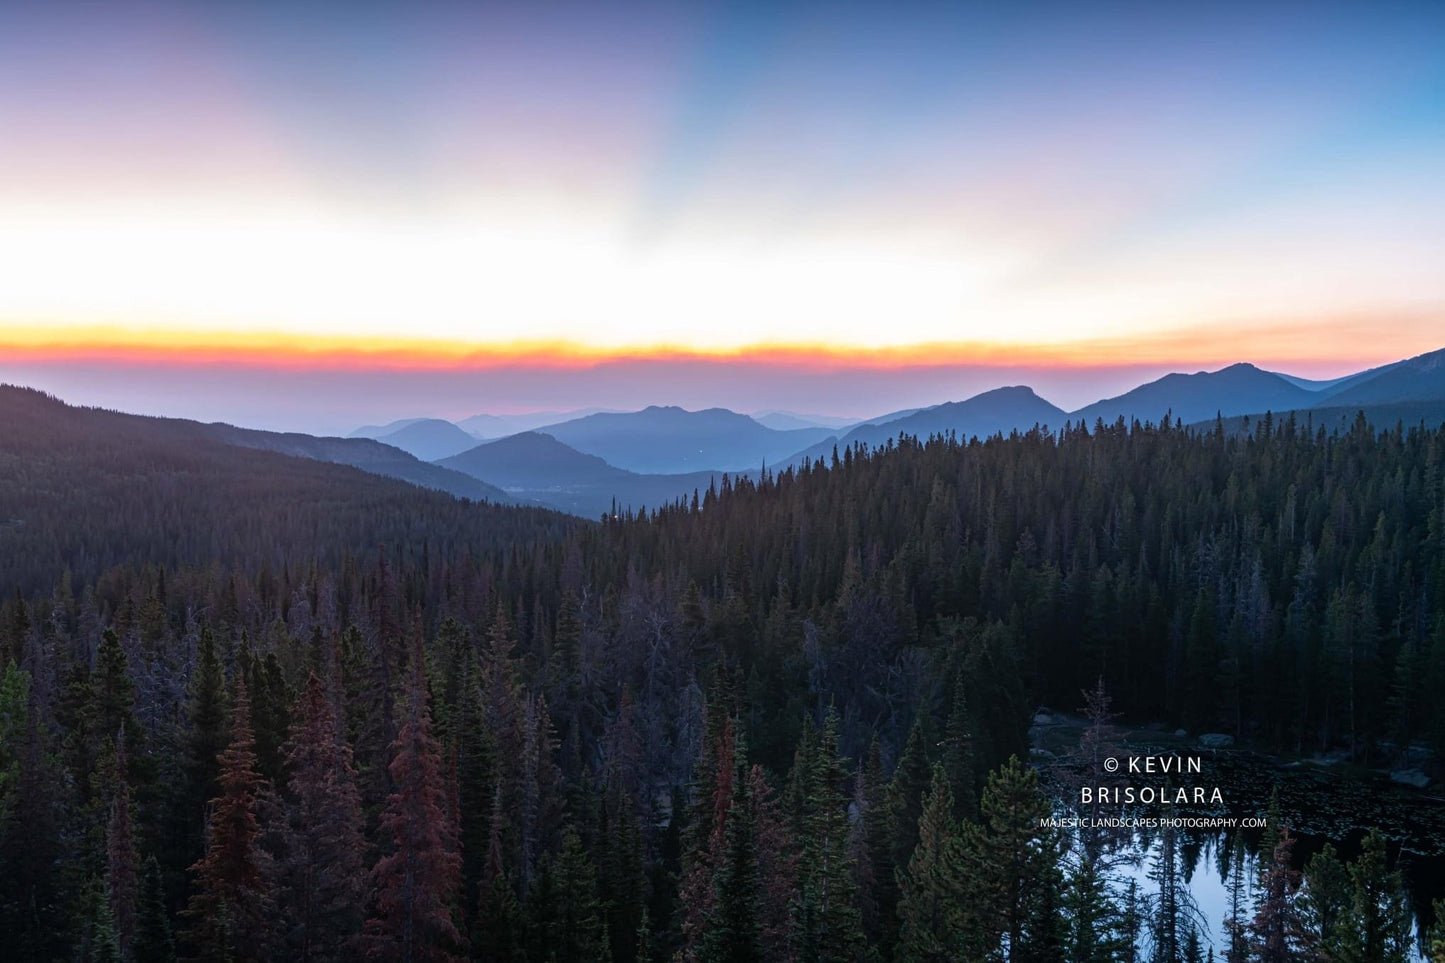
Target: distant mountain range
{"x": 588, "y": 463}
{"x": 789, "y": 420}
{"x": 500, "y": 426}
{"x": 670, "y": 439}
{"x": 364, "y": 453}
{"x": 377, "y": 431}
{"x": 648, "y": 457}
{"x": 478, "y": 427}
{"x": 537, "y": 468}
{"x": 429, "y": 439}
{"x": 1421, "y": 378}
{"x": 1235, "y": 390}
{"x": 1000, "y": 410}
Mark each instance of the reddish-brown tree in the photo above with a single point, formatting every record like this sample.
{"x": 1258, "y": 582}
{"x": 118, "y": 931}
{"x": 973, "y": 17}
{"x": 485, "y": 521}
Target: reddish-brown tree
{"x": 324, "y": 877}
{"x": 224, "y": 910}
{"x": 700, "y": 863}
{"x": 121, "y": 878}
{"x": 417, "y": 881}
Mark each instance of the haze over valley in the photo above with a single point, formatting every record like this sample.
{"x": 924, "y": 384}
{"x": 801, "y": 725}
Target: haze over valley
{"x": 590, "y": 462}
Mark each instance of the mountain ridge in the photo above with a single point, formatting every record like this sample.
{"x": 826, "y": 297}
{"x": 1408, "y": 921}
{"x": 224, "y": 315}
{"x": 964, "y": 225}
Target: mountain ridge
{"x": 669, "y": 439}
{"x": 535, "y": 467}
{"x": 429, "y": 439}
{"x": 1235, "y": 389}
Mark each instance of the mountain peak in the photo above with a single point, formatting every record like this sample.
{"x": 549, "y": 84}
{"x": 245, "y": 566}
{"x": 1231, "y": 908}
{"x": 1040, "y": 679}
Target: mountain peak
{"x": 1236, "y": 389}
{"x": 1429, "y": 361}
{"x": 1007, "y": 391}
{"x": 666, "y": 439}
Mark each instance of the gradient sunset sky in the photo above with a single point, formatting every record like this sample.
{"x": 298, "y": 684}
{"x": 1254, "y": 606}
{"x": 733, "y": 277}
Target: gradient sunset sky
{"x": 314, "y": 216}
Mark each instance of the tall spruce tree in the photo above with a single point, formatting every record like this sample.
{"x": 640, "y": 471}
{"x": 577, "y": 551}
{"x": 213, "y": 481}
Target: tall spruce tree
{"x": 1094, "y": 930}
{"x": 733, "y": 932}
{"x": 1015, "y": 862}
{"x": 203, "y": 741}
{"x": 497, "y": 935}
{"x": 903, "y": 803}
{"x": 827, "y": 925}
{"x": 153, "y": 942}
{"x": 225, "y": 909}
{"x": 958, "y": 755}
{"x": 416, "y": 881}
{"x": 932, "y": 907}
{"x": 1378, "y": 925}
{"x": 1276, "y": 932}
{"x": 1324, "y": 902}
{"x": 121, "y": 882}
{"x": 1236, "y": 926}
{"x": 323, "y": 873}
{"x": 579, "y": 934}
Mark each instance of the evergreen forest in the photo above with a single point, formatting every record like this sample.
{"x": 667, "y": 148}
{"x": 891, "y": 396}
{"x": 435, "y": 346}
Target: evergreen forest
{"x": 258, "y": 708}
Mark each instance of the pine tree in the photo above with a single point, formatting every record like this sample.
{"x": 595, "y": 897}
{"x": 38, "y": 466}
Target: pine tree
{"x": 1174, "y": 909}
{"x": 1324, "y": 902}
{"x": 204, "y": 741}
{"x": 1236, "y": 927}
{"x": 1046, "y": 932}
{"x": 1276, "y": 933}
{"x": 777, "y": 859}
{"x": 112, "y": 698}
{"x": 1131, "y": 924}
{"x": 1093, "y": 926}
{"x": 476, "y": 777}
{"x": 957, "y": 755}
{"x": 324, "y": 878}
{"x": 224, "y": 910}
{"x": 827, "y": 925}
{"x": 1097, "y": 743}
{"x": 15, "y": 625}
{"x": 734, "y": 931}
{"x": 931, "y": 895}
{"x": 1193, "y": 948}
{"x": 98, "y": 942}
{"x": 1016, "y": 859}
{"x": 580, "y": 933}
{"x": 33, "y": 907}
{"x": 706, "y": 836}
{"x": 121, "y": 858}
{"x": 416, "y": 882}
{"x": 869, "y": 842}
{"x": 153, "y": 943}
{"x": 1377, "y": 925}
{"x": 541, "y": 804}
{"x": 620, "y": 874}
{"x": 497, "y": 935}
{"x": 903, "y": 808}
{"x": 269, "y": 713}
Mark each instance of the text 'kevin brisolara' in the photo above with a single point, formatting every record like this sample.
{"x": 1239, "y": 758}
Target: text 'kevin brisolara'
{"x": 1151, "y": 795}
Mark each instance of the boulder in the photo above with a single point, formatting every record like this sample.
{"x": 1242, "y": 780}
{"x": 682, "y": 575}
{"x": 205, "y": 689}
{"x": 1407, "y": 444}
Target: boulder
{"x": 1413, "y": 778}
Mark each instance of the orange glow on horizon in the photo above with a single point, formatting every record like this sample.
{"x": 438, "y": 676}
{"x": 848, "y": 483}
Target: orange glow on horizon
{"x": 1354, "y": 342}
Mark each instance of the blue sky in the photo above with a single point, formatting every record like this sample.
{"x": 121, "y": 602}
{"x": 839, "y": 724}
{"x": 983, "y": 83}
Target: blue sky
{"x": 1022, "y": 185}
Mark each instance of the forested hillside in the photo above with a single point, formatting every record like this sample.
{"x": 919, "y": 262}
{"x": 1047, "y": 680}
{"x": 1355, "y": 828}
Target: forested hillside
{"x": 270, "y": 720}
{"x": 84, "y": 490}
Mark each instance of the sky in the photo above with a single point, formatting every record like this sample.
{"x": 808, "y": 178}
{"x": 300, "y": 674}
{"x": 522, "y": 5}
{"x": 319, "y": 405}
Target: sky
{"x": 315, "y": 216}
